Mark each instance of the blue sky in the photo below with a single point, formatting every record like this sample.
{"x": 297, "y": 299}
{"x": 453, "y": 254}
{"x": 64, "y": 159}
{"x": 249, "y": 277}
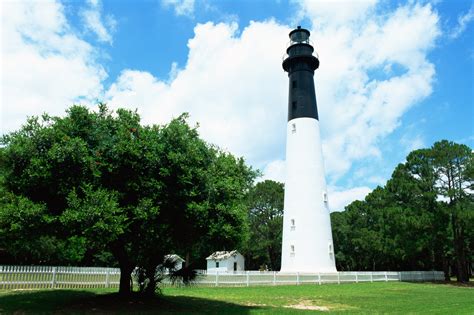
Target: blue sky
{"x": 394, "y": 75}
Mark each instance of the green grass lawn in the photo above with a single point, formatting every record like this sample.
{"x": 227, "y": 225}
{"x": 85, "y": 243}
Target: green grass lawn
{"x": 361, "y": 298}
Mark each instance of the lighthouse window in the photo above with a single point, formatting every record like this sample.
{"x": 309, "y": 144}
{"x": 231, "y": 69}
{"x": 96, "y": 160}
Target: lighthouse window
{"x": 294, "y": 84}
{"x": 292, "y": 225}
{"x": 293, "y": 128}
{"x": 294, "y": 104}
{"x": 331, "y": 251}
{"x": 325, "y": 197}
{"x": 292, "y": 253}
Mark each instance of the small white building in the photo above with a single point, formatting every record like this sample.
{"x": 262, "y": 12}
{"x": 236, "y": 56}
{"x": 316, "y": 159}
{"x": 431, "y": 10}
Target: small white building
{"x": 225, "y": 262}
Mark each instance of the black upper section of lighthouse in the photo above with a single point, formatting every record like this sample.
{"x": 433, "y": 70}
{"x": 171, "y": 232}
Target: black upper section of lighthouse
{"x": 300, "y": 65}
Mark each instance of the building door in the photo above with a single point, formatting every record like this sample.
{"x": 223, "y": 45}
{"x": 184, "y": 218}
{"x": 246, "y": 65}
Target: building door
{"x": 235, "y": 266}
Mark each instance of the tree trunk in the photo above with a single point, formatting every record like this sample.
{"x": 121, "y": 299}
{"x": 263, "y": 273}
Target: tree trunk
{"x": 463, "y": 273}
{"x": 271, "y": 256}
{"x": 125, "y": 287}
{"x": 460, "y": 255}
{"x": 126, "y": 268}
{"x": 186, "y": 263}
{"x": 447, "y": 276}
{"x": 151, "y": 286}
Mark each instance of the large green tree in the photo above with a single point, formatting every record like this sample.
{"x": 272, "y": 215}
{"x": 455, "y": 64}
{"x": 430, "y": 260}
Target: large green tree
{"x": 265, "y": 204}
{"x": 100, "y": 182}
{"x": 453, "y": 165}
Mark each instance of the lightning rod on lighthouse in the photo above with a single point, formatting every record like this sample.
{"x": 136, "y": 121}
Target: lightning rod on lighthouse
{"x": 307, "y": 238}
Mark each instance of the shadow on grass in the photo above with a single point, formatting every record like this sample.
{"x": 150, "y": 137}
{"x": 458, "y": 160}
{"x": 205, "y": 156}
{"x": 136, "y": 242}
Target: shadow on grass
{"x": 469, "y": 284}
{"x": 86, "y": 302}
{"x": 43, "y": 301}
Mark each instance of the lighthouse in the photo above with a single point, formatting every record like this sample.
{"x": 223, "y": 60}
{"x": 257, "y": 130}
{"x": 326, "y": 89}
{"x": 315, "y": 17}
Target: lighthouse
{"x": 307, "y": 244}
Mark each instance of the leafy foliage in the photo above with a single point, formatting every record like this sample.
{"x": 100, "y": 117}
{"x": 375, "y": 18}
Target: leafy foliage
{"x": 421, "y": 220}
{"x": 93, "y": 183}
{"x": 265, "y": 204}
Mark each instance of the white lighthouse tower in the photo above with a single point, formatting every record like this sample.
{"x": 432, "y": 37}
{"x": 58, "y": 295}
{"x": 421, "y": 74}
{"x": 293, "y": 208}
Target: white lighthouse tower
{"x": 307, "y": 238}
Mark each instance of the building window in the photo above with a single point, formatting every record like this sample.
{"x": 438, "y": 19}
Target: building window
{"x": 294, "y": 84}
{"x": 292, "y": 228}
{"x": 331, "y": 251}
{"x": 217, "y": 264}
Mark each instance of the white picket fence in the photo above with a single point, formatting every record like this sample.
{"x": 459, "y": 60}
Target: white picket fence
{"x": 251, "y": 278}
{"x": 38, "y": 277}
{"x": 41, "y": 277}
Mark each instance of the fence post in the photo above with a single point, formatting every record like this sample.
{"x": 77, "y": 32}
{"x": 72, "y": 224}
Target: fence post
{"x": 338, "y": 278}
{"x": 386, "y": 278}
{"x": 107, "y": 278}
{"x": 357, "y": 277}
{"x": 400, "y": 276}
{"x": 248, "y": 278}
{"x": 319, "y": 278}
{"x": 53, "y": 281}
{"x": 217, "y": 278}
{"x": 274, "y": 277}
{"x": 371, "y": 276}
{"x": 297, "y": 278}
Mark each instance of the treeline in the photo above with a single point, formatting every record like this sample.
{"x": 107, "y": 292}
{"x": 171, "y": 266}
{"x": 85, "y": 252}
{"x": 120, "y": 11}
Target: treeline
{"x": 422, "y": 219}
{"x": 99, "y": 188}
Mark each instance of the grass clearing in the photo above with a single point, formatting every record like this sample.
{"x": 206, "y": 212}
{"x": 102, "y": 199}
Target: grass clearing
{"x": 361, "y": 298}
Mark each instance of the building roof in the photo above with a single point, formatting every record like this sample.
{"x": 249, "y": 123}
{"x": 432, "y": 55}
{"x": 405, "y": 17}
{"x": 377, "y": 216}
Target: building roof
{"x": 222, "y": 255}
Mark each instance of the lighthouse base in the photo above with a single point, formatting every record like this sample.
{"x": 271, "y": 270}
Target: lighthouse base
{"x": 307, "y": 244}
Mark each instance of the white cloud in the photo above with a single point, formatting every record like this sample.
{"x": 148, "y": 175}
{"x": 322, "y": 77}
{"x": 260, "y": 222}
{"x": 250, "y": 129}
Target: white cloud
{"x": 140, "y": 90}
{"x": 338, "y": 199}
{"x": 233, "y": 86}
{"x": 181, "y": 7}
{"x": 45, "y": 66}
{"x": 463, "y": 21}
{"x": 335, "y": 13}
{"x": 377, "y": 180}
{"x": 374, "y": 68}
{"x": 173, "y": 72}
{"x": 275, "y": 170}
{"x": 92, "y": 18}
{"x": 371, "y": 74}
{"x": 412, "y": 142}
